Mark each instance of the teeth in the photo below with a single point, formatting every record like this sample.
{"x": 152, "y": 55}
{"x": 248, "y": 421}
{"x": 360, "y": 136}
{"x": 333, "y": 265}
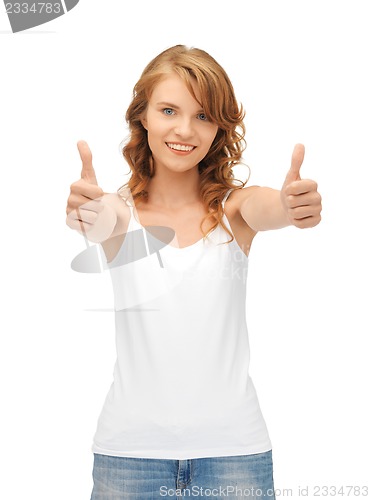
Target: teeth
{"x": 180, "y": 147}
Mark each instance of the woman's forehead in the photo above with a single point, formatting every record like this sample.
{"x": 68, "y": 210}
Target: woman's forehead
{"x": 173, "y": 85}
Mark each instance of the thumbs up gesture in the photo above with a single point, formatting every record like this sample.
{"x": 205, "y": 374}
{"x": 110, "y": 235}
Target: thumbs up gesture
{"x": 87, "y": 172}
{"x": 86, "y": 210}
{"x": 299, "y": 197}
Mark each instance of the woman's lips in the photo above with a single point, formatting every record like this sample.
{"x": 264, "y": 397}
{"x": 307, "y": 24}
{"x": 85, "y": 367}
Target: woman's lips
{"x": 181, "y": 149}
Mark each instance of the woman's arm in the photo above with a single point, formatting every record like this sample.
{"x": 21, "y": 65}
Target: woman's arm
{"x": 298, "y": 203}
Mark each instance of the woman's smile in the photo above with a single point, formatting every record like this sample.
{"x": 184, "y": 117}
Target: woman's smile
{"x": 180, "y": 149}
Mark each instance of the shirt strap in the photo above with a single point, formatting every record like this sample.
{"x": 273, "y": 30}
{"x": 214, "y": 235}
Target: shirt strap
{"x": 226, "y": 197}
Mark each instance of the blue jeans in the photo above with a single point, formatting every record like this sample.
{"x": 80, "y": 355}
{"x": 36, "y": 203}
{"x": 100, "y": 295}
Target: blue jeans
{"x": 125, "y": 478}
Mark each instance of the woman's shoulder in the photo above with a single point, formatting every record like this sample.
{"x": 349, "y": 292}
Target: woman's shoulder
{"x": 237, "y": 197}
{"x": 243, "y": 233}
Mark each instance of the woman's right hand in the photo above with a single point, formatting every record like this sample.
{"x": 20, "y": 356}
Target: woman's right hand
{"x": 87, "y": 211}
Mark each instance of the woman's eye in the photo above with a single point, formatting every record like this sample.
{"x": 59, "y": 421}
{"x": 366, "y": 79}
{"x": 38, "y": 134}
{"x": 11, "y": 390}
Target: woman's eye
{"x": 168, "y": 111}
{"x": 202, "y": 116}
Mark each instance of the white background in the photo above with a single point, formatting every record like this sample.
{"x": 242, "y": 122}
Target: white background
{"x": 300, "y": 68}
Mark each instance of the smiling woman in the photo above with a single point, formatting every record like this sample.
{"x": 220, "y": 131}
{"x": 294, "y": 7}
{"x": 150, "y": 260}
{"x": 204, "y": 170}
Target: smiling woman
{"x": 181, "y": 133}
{"x": 182, "y": 412}
{"x": 185, "y": 99}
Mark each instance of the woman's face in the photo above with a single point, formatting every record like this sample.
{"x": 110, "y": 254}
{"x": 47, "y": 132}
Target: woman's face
{"x": 179, "y": 133}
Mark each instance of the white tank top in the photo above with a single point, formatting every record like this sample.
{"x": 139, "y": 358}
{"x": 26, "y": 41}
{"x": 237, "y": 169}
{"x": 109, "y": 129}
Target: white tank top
{"x": 181, "y": 385}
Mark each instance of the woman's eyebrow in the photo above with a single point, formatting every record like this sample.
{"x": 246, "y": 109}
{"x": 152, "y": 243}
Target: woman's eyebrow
{"x": 170, "y": 105}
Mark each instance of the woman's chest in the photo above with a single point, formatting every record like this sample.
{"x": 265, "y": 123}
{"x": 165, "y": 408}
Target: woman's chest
{"x": 187, "y": 225}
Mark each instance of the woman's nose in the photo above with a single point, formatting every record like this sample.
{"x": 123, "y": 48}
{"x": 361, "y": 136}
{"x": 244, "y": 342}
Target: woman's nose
{"x": 184, "y": 127}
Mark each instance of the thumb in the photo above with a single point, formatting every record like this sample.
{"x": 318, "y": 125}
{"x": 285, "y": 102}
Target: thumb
{"x": 295, "y": 165}
{"x": 87, "y": 172}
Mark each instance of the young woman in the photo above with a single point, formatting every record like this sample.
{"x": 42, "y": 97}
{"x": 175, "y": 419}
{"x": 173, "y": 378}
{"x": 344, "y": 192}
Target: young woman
{"x": 182, "y": 417}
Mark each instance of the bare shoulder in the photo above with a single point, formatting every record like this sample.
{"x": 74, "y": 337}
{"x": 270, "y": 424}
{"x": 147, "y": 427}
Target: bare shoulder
{"x": 243, "y": 233}
{"x": 118, "y": 203}
{"x": 239, "y": 196}
{"x": 235, "y": 201}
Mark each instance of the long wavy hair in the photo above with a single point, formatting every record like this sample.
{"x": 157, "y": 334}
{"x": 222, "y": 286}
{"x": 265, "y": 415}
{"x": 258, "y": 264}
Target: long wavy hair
{"x": 220, "y": 106}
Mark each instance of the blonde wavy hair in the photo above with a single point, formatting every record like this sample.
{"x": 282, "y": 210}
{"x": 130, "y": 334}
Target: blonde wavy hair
{"x": 220, "y": 106}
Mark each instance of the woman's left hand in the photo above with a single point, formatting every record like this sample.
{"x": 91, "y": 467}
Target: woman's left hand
{"x": 299, "y": 197}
